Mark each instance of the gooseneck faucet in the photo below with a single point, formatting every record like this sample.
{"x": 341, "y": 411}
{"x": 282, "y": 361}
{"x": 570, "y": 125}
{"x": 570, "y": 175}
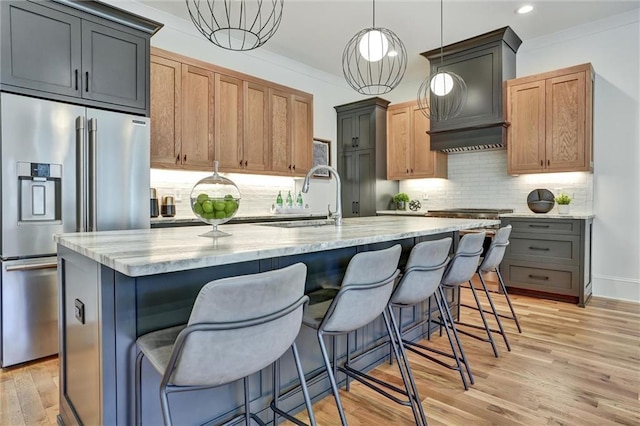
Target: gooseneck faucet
{"x": 337, "y": 215}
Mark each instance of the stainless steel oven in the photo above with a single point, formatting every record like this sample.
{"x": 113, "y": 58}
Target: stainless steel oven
{"x": 29, "y": 309}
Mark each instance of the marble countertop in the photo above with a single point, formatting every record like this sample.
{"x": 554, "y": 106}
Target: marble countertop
{"x": 550, "y": 215}
{"x": 154, "y": 251}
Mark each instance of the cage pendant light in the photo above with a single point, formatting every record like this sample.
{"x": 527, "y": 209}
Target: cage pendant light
{"x": 374, "y": 60}
{"x": 443, "y": 94}
{"x": 236, "y": 24}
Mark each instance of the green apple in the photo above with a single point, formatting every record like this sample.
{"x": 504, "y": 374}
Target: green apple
{"x": 207, "y": 206}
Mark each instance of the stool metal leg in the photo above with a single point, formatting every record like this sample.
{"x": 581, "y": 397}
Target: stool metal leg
{"x": 138, "y": 405}
{"x": 495, "y": 312}
{"x": 454, "y": 350}
{"x": 506, "y": 295}
{"x": 332, "y": 379}
{"x": 276, "y": 390}
{"x": 403, "y": 362}
{"x": 303, "y": 385}
{"x": 247, "y": 408}
{"x": 445, "y": 305}
{"x": 164, "y": 404}
{"x": 484, "y": 320}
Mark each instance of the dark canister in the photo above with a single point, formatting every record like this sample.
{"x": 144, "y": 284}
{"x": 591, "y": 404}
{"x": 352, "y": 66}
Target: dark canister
{"x": 168, "y": 208}
{"x": 153, "y": 203}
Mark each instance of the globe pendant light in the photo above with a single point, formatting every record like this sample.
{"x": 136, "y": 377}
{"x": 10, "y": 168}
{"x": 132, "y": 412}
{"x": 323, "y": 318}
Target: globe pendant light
{"x": 374, "y": 60}
{"x": 443, "y": 94}
{"x": 236, "y": 24}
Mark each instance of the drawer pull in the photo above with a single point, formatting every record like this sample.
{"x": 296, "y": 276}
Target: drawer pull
{"x": 538, "y": 226}
{"x": 539, "y": 248}
{"x": 539, "y": 277}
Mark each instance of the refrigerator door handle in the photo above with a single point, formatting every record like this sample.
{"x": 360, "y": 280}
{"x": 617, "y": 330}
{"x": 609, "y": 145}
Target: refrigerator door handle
{"x": 81, "y": 176}
{"x": 92, "y": 175}
{"x": 32, "y": 266}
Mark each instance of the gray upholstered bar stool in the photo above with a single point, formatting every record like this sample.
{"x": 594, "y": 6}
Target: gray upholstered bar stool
{"x": 237, "y": 327}
{"x": 421, "y": 280}
{"x": 363, "y": 297}
{"x": 491, "y": 263}
{"x": 461, "y": 270}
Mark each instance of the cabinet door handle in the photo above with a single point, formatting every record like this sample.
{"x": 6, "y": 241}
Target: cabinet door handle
{"x": 240, "y": 163}
{"x": 407, "y": 171}
{"x": 245, "y": 163}
{"x": 541, "y": 163}
{"x": 539, "y": 277}
{"x": 411, "y": 171}
{"x": 357, "y": 207}
{"x": 178, "y": 159}
{"x": 289, "y": 166}
{"x": 294, "y": 167}
{"x": 353, "y": 142}
{"x": 548, "y": 162}
{"x": 86, "y": 82}
{"x": 539, "y": 248}
{"x": 76, "y": 79}
{"x": 538, "y": 226}
{"x": 353, "y": 207}
{"x": 185, "y": 158}
{"x": 357, "y": 141}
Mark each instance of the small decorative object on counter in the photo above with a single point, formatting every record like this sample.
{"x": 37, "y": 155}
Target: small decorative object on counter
{"x": 414, "y": 205}
{"x": 540, "y": 200}
{"x": 563, "y": 201}
{"x": 168, "y": 208}
{"x": 299, "y": 201}
{"x": 289, "y": 200}
{"x": 153, "y": 203}
{"x": 215, "y": 200}
{"x": 279, "y": 201}
{"x": 401, "y": 199}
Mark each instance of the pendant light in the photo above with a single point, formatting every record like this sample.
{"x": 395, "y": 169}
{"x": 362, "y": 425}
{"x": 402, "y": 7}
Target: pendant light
{"x": 236, "y": 24}
{"x": 443, "y": 94}
{"x": 374, "y": 60}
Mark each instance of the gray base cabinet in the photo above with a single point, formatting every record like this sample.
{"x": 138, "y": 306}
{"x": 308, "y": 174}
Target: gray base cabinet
{"x": 63, "y": 53}
{"x": 362, "y": 157}
{"x": 549, "y": 258}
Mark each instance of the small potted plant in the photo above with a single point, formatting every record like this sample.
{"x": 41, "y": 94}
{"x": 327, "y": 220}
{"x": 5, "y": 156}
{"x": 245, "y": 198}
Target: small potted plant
{"x": 563, "y": 201}
{"x": 401, "y": 199}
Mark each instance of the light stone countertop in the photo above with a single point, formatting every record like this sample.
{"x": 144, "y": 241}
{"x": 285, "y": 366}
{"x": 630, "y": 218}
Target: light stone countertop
{"x": 401, "y": 212}
{"x": 551, "y": 215}
{"x": 156, "y": 251}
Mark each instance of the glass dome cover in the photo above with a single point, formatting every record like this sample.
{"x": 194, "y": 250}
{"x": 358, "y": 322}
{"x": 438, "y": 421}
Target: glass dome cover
{"x": 215, "y": 200}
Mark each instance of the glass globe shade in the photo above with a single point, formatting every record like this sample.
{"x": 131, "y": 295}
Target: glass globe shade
{"x": 373, "y": 46}
{"x": 441, "y": 84}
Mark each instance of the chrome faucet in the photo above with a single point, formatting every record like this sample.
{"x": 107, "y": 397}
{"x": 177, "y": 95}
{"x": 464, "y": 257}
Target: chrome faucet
{"x": 337, "y": 215}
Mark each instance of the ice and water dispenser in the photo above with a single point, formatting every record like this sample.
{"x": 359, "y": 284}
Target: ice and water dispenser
{"x": 40, "y": 195}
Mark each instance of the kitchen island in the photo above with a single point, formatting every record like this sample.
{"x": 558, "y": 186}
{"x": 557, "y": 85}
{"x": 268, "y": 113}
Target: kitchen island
{"x": 118, "y": 285}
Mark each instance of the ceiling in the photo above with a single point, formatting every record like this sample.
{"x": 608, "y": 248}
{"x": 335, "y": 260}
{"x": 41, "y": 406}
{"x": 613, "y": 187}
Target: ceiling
{"x": 315, "y": 32}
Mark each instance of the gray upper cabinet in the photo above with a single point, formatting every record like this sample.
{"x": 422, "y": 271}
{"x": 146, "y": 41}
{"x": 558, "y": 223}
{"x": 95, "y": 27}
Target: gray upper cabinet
{"x": 76, "y": 54}
{"x": 362, "y": 144}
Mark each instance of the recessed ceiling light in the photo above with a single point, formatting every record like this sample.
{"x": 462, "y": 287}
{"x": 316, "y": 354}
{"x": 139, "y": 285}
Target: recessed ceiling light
{"x": 524, "y": 9}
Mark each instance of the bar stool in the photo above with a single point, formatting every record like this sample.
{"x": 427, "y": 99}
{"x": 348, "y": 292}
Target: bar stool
{"x": 363, "y": 297}
{"x": 491, "y": 263}
{"x": 421, "y": 280}
{"x": 237, "y": 327}
{"x": 461, "y": 269}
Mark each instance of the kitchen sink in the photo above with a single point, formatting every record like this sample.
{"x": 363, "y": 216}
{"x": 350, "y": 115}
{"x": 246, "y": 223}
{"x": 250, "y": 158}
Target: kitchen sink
{"x": 301, "y": 223}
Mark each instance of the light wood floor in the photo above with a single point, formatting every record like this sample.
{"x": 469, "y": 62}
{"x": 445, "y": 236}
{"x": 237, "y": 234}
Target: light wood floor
{"x": 570, "y": 366}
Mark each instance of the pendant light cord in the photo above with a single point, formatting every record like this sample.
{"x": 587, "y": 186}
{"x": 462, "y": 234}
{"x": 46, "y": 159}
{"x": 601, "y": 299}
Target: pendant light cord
{"x": 441, "y": 32}
{"x": 374, "y": 13}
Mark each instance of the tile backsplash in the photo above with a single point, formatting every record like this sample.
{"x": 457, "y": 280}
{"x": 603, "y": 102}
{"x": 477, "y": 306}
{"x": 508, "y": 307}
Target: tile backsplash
{"x": 258, "y": 192}
{"x": 480, "y": 180}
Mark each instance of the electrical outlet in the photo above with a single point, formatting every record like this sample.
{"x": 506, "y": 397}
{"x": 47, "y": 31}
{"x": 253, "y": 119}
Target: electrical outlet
{"x": 425, "y": 196}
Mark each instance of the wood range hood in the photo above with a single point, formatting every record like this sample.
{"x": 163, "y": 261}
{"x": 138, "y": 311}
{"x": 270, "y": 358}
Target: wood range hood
{"x": 484, "y": 62}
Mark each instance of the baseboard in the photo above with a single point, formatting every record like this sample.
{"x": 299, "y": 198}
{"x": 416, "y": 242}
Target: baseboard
{"x": 616, "y": 288}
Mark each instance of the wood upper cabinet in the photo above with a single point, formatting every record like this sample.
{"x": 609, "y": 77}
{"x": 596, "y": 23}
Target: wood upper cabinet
{"x": 249, "y": 126}
{"x": 409, "y": 152}
{"x": 291, "y": 119}
{"x": 302, "y": 137}
{"x": 228, "y": 119}
{"x": 551, "y": 118}
{"x": 181, "y": 115}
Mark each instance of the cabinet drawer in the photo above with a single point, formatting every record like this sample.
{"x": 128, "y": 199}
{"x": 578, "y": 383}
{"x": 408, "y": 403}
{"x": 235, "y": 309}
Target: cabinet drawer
{"x": 545, "y": 226}
{"x": 562, "y": 249}
{"x": 560, "y": 280}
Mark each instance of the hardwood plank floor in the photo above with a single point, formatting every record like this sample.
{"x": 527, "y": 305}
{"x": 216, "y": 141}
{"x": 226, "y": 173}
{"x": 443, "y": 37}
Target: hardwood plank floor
{"x": 570, "y": 366}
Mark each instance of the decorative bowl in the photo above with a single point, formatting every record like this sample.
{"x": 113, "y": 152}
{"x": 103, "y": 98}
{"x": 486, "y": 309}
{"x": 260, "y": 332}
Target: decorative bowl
{"x": 215, "y": 200}
{"x": 540, "y": 200}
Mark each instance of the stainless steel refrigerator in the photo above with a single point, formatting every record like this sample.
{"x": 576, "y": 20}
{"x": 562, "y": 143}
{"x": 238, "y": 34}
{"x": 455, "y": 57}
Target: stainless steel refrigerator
{"x": 65, "y": 168}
